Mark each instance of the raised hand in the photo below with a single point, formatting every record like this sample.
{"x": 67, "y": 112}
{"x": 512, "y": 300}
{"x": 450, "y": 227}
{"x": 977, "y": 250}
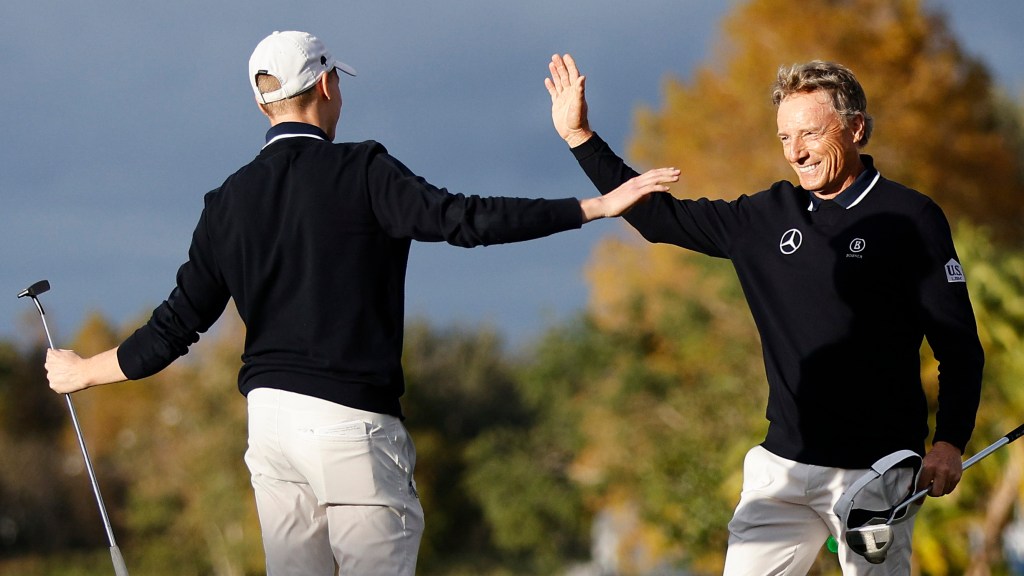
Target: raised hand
{"x": 567, "y": 89}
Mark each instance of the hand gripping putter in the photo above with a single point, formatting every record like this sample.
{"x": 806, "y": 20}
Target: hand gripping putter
{"x": 33, "y": 292}
{"x": 872, "y": 539}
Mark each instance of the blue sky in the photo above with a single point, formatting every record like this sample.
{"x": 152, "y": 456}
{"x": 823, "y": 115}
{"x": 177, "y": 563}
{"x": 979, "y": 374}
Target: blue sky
{"x": 120, "y": 115}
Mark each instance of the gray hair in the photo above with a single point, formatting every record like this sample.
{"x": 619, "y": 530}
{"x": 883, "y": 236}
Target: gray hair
{"x": 834, "y": 79}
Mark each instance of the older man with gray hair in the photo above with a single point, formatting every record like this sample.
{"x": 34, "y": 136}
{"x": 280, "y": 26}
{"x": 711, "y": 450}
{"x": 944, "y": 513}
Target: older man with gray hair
{"x": 845, "y": 275}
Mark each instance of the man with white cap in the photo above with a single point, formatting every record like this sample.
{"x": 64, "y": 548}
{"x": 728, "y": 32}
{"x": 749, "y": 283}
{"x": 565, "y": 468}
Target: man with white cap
{"x": 311, "y": 240}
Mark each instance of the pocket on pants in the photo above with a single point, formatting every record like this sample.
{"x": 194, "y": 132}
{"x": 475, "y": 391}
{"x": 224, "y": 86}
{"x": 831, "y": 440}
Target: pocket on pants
{"x": 360, "y": 465}
{"x": 758, "y": 469}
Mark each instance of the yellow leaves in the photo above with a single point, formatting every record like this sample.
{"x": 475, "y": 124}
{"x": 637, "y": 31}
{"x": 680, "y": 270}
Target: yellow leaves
{"x": 720, "y": 133}
{"x": 95, "y": 336}
{"x": 622, "y": 271}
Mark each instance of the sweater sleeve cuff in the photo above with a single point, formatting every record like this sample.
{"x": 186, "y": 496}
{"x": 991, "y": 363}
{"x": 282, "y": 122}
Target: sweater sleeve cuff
{"x": 143, "y": 354}
{"x": 127, "y": 360}
{"x": 589, "y": 148}
{"x": 955, "y": 437}
{"x": 569, "y": 213}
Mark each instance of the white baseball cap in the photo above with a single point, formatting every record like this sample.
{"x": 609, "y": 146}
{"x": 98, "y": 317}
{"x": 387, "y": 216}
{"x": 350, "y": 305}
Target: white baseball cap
{"x": 296, "y": 59}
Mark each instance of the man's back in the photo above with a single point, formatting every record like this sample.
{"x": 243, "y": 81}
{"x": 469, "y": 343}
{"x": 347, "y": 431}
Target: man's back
{"x": 312, "y": 239}
{"x": 316, "y": 279}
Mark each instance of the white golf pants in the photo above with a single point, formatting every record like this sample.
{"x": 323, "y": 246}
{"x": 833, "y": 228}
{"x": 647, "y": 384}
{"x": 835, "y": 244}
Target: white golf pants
{"x": 785, "y": 515}
{"x": 334, "y": 487}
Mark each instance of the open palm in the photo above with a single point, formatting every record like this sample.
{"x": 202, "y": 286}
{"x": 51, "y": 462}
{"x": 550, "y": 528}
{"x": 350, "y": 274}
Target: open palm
{"x": 567, "y": 89}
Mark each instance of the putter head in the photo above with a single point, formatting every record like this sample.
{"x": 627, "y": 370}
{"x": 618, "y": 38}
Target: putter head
{"x": 871, "y": 540}
{"x": 35, "y": 289}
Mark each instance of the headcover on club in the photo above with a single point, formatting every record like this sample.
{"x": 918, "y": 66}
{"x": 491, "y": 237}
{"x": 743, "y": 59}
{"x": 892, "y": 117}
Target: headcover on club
{"x": 868, "y": 531}
{"x": 35, "y": 289}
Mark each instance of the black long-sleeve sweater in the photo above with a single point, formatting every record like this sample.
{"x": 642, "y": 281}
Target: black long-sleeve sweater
{"x": 311, "y": 240}
{"x": 842, "y": 297}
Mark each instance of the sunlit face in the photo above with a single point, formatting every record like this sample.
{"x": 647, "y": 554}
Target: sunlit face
{"x": 821, "y": 151}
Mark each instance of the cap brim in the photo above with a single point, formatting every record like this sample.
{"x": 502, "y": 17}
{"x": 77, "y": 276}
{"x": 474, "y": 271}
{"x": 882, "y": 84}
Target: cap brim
{"x": 344, "y": 68}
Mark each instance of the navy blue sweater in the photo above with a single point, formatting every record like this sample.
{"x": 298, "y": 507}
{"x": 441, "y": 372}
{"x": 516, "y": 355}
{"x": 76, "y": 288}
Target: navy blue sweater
{"x": 311, "y": 240}
{"x": 842, "y": 298}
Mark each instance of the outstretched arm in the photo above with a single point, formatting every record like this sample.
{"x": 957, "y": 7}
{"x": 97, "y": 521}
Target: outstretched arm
{"x": 568, "y": 100}
{"x": 68, "y": 372}
{"x": 621, "y": 199}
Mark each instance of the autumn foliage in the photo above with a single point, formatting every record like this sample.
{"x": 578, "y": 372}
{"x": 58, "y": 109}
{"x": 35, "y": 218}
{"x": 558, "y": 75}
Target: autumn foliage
{"x": 614, "y": 443}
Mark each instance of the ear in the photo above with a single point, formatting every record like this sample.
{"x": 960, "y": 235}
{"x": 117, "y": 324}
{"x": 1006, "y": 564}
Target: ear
{"x": 323, "y": 85}
{"x": 262, "y": 107}
{"x": 857, "y": 126}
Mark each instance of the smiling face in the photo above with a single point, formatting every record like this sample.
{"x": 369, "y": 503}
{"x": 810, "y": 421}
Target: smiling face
{"x": 822, "y": 152}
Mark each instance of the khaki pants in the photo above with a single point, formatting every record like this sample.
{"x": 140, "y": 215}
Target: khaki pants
{"x": 334, "y": 487}
{"x": 785, "y": 515}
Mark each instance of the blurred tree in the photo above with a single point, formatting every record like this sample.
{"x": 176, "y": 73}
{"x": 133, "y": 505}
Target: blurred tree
{"x": 46, "y": 499}
{"x": 668, "y": 424}
{"x": 961, "y": 533}
{"x": 190, "y": 507}
{"x": 36, "y": 499}
{"x": 168, "y": 454}
{"x": 523, "y": 474}
{"x": 458, "y": 384}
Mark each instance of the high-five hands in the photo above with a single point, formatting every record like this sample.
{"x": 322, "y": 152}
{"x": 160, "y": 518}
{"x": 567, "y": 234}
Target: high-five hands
{"x": 567, "y": 88}
{"x": 568, "y": 100}
{"x": 618, "y": 201}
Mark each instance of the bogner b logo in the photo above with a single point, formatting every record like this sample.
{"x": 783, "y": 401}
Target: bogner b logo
{"x": 790, "y": 241}
{"x": 857, "y": 245}
{"x": 954, "y": 272}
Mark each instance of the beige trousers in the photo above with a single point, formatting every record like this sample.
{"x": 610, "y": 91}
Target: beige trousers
{"x": 334, "y": 487}
{"x": 785, "y": 515}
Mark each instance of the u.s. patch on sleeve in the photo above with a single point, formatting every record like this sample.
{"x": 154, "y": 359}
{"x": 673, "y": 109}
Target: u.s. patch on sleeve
{"x": 954, "y": 272}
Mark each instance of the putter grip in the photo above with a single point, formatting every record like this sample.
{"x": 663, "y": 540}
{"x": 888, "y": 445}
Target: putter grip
{"x": 1016, "y": 433}
{"x": 119, "y": 568}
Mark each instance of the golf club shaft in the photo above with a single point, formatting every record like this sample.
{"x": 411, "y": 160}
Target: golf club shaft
{"x": 115, "y": 553}
{"x": 1016, "y": 433}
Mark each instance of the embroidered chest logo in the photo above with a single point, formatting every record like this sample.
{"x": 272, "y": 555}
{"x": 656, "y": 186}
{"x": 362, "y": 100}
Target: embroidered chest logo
{"x": 857, "y": 245}
{"x": 954, "y": 272}
{"x": 790, "y": 241}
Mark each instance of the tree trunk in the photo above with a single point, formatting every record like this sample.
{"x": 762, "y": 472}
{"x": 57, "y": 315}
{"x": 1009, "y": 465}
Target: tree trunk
{"x": 997, "y": 516}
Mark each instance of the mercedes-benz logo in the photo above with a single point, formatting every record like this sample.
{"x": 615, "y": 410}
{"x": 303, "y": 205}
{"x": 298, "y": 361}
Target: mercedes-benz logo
{"x": 791, "y": 241}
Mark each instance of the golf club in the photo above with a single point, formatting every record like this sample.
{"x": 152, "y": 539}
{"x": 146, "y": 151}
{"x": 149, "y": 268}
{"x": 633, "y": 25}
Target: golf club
{"x": 33, "y": 292}
{"x": 873, "y": 539}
